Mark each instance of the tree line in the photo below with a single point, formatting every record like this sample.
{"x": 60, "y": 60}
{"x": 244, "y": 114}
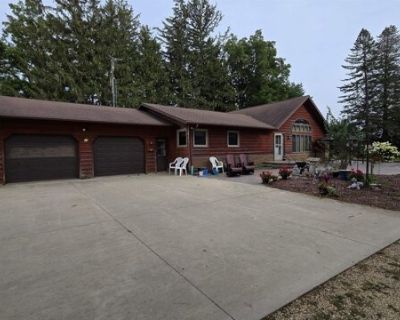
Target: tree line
{"x": 64, "y": 52}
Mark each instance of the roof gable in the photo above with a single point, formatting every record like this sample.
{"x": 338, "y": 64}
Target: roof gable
{"x": 13, "y": 107}
{"x": 277, "y": 113}
{"x": 185, "y": 116}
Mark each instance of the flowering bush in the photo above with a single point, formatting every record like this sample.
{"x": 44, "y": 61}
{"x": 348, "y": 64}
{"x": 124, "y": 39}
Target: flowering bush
{"x": 285, "y": 173}
{"x": 266, "y": 176}
{"x": 325, "y": 177}
{"x": 384, "y": 151}
{"x": 356, "y": 174}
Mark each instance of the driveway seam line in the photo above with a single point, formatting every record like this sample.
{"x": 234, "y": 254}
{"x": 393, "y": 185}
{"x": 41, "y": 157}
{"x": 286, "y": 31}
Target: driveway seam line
{"x": 155, "y": 253}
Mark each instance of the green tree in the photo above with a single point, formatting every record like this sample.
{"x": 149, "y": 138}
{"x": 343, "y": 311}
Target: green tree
{"x": 30, "y": 70}
{"x": 359, "y": 91}
{"x": 194, "y": 56}
{"x": 344, "y": 139}
{"x": 173, "y": 36}
{"x": 257, "y": 74}
{"x": 119, "y": 40}
{"x": 151, "y": 72}
{"x": 388, "y": 71}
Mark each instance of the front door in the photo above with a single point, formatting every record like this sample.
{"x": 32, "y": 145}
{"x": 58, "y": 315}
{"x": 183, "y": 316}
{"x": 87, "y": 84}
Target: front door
{"x": 161, "y": 154}
{"x": 278, "y": 146}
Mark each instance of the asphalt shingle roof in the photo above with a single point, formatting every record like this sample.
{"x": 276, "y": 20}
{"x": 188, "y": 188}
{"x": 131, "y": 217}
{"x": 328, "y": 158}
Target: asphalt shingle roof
{"x": 205, "y": 117}
{"x": 12, "y": 107}
{"x": 276, "y": 113}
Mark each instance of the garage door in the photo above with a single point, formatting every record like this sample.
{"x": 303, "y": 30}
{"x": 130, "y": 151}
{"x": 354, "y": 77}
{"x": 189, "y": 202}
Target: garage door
{"x": 40, "y": 157}
{"x": 118, "y": 155}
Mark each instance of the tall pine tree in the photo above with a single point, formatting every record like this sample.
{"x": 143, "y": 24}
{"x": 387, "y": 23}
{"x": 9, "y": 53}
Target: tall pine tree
{"x": 151, "y": 72}
{"x": 194, "y": 56}
{"x": 388, "y": 75}
{"x": 359, "y": 91}
{"x": 174, "y": 37}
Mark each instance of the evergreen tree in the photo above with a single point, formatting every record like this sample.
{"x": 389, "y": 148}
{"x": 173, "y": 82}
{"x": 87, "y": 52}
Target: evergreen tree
{"x": 29, "y": 49}
{"x": 209, "y": 78}
{"x": 256, "y": 73}
{"x": 176, "y": 50}
{"x": 194, "y": 57}
{"x": 153, "y": 86}
{"x": 388, "y": 57}
{"x": 119, "y": 41}
{"x": 359, "y": 92}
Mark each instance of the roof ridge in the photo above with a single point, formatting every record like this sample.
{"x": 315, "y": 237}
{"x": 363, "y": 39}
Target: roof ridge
{"x": 270, "y": 103}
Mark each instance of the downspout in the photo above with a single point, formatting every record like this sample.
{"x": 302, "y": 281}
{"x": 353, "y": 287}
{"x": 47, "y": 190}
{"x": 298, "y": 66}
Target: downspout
{"x": 190, "y": 147}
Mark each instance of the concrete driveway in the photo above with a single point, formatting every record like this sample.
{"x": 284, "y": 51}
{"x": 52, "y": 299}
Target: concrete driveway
{"x": 160, "y": 247}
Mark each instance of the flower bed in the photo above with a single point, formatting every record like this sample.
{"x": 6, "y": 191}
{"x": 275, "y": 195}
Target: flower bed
{"x": 388, "y": 197}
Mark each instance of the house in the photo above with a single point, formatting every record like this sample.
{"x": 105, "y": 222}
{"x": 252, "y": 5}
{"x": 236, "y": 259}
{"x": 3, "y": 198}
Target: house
{"x": 277, "y": 131}
{"x": 42, "y": 140}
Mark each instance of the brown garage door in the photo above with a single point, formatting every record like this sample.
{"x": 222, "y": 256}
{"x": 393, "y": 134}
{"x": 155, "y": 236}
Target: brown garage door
{"x": 40, "y": 157}
{"x": 118, "y": 155}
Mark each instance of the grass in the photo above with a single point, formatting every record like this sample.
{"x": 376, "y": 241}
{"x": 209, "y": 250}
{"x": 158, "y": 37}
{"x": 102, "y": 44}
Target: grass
{"x": 369, "y": 290}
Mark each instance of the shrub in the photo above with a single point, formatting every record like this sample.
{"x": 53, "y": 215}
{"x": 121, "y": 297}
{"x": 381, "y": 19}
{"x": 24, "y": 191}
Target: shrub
{"x": 327, "y": 190}
{"x": 356, "y": 174}
{"x": 384, "y": 151}
{"x": 266, "y": 176}
{"x": 325, "y": 177}
{"x": 285, "y": 173}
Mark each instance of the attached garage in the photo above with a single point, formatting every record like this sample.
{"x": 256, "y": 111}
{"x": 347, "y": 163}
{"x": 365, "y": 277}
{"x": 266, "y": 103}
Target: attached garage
{"x": 40, "y": 157}
{"x": 118, "y": 155}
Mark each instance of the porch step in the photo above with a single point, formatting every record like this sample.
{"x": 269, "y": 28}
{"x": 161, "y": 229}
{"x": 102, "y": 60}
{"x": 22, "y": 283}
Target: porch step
{"x": 278, "y": 164}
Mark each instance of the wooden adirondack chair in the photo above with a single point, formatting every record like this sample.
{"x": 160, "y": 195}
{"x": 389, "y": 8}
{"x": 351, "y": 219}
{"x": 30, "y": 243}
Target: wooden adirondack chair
{"x": 247, "y": 166}
{"x": 232, "y": 168}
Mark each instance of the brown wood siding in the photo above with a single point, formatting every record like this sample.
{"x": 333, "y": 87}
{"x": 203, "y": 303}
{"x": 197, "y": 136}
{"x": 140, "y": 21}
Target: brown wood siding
{"x": 252, "y": 142}
{"x": 316, "y": 132}
{"x": 85, "y": 134}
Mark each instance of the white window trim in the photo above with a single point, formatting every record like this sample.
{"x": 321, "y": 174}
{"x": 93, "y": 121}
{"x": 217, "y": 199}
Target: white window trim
{"x": 238, "y": 139}
{"x": 200, "y": 145}
{"x": 177, "y": 138}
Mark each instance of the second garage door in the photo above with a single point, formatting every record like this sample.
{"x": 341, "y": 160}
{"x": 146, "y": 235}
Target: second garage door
{"x": 118, "y": 155}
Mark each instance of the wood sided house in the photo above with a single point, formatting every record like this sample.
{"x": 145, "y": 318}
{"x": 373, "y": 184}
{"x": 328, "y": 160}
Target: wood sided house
{"x": 42, "y": 140}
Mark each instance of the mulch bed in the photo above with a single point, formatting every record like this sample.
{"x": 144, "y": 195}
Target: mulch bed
{"x": 388, "y": 197}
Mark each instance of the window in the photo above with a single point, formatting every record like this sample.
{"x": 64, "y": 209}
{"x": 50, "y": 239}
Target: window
{"x": 301, "y": 136}
{"x": 200, "y": 138}
{"x": 301, "y": 143}
{"x": 233, "y": 139}
{"x": 181, "y": 137}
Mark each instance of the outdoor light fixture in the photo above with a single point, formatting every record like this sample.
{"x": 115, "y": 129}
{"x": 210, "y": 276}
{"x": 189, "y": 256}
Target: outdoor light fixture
{"x": 84, "y": 129}
{"x": 85, "y": 140}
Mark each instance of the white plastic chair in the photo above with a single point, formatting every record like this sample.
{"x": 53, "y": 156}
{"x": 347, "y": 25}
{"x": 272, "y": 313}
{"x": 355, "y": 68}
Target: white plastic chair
{"x": 183, "y": 166}
{"x": 216, "y": 164}
{"x": 175, "y": 165}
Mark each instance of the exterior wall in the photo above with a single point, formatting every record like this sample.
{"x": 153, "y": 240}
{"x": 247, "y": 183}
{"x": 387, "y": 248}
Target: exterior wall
{"x": 254, "y": 142}
{"x": 316, "y": 132}
{"x": 84, "y": 134}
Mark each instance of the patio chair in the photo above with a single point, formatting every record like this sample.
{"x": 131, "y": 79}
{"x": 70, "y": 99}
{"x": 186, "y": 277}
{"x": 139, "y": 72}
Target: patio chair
{"x": 232, "y": 168}
{"x": 247, "y": 166}
{"x": 183, "y": 166}
{"x": 175, "y": 165}
{"x": 216, "y": 164}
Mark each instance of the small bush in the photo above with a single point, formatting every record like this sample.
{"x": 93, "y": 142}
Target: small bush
{"x": 266, "y": 176}
{"x": 356, "y": 174}
{"x": 285, "y": 173}
{"x": 327, "y": 190}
